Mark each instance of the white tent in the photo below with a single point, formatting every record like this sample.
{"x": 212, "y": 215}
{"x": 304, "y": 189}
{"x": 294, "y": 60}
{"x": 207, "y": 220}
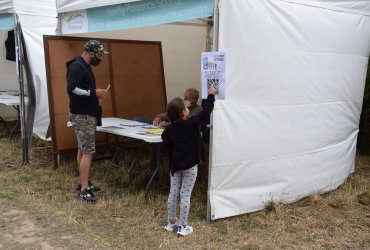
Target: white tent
{"x": 294, "y": 88}
{"x": 295, "y": 82}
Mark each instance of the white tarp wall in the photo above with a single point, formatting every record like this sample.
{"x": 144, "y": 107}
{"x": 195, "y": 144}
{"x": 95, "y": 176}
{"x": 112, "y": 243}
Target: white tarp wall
{"x": 38, "y": 18}
{"x": 294, "y": 90}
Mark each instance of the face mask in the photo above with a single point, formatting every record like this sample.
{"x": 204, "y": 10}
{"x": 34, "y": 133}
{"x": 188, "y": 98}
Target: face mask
{"x": 187, "y": 103}
{"x": 95, "y": 61}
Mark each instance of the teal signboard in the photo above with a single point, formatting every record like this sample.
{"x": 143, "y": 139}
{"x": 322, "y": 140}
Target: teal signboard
{"x": 145, "y": 13}
{"x": 6, "y": 22}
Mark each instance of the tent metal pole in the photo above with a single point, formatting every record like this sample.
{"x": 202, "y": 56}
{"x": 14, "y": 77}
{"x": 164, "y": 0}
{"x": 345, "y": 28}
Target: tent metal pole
{"x": 215, "y": 32}
{"x": 59, "y": 24}
{"x": 19, "y": 58}
{"x": 214, "y": 48}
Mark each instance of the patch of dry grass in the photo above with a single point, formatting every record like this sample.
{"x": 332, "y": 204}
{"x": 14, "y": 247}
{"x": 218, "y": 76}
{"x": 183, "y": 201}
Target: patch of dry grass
{"x": 121, "y": 219}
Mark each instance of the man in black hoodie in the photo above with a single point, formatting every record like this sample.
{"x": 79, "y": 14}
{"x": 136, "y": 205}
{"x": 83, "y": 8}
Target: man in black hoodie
{"x": 83, "y": 111}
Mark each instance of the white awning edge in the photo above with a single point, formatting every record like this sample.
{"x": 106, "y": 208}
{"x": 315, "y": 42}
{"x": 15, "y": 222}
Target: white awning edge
{"x": 73, "y": 5}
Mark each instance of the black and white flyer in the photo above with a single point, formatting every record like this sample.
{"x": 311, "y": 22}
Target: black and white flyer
{"x": 213, "y": 72}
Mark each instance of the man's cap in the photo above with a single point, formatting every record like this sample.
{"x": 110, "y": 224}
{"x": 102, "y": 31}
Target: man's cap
{"x": 95, "y": 46}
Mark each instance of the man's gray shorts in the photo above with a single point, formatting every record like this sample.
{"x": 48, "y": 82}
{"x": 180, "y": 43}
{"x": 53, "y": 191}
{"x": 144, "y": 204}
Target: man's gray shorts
{"x": 85, "y": 127}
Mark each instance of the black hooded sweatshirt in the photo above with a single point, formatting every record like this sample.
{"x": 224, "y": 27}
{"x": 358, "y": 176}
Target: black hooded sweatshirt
{"x": 81, "y": 88}
{"x": 182, "y": 139}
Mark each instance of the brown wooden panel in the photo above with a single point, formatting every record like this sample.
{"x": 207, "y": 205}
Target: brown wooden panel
{"x": 138, "y": 77}
{"x": 66, "y": 138}
{"x": 60, "y": 96}
{"x": 136, "y": 59}
{"x": 134, "y": 69}
{"x": 140, "y": 97}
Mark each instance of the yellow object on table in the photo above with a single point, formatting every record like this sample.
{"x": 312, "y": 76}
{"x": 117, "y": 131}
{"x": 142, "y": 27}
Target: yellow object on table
{"x": 156, "y": 131}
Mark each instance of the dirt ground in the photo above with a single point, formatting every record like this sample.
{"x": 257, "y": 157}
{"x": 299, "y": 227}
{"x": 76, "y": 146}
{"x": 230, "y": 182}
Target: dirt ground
{"x": 22, "y": 228}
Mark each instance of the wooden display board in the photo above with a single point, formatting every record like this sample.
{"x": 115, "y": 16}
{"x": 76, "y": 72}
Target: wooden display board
{"x": 134, "y": 69}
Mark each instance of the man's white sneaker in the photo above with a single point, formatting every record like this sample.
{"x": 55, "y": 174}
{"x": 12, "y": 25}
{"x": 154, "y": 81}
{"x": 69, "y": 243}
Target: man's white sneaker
{"x": 170, "y": 227}
{"x": 183, "y": 231}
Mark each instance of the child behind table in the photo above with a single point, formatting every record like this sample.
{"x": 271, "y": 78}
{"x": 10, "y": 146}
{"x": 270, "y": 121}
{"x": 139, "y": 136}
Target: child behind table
{"x": 182, "y": 139}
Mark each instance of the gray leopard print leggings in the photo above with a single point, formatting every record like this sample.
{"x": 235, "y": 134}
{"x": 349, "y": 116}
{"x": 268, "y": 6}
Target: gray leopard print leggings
{"x": 182, "y": 182}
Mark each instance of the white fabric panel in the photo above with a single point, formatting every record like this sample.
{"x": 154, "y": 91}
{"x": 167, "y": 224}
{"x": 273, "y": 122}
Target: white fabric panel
{"x": 34, "y": 27}
{"x": 351, "y": 6}
{"x": 294, "y": 90}
{"x": 281, "y": 179}
{"x": 71, "y": 5}
{"x": 36, "y": 7}
{"x": 279, "y": 25}
{"x": 265, "y": 133}
{"x": 6, "y": 6}
{"x": 293, "y": 77}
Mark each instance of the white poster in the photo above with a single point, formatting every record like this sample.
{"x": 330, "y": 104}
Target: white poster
{"x": 213, "y": 72}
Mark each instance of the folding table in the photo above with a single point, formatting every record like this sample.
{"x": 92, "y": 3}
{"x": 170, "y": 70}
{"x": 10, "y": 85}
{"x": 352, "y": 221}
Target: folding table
{"x": 136, "y": 130}
{"x": 11, "y": 100}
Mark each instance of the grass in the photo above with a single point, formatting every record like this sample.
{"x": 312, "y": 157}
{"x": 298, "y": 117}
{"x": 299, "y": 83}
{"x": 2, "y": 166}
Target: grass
{"x": 121, "y": 219}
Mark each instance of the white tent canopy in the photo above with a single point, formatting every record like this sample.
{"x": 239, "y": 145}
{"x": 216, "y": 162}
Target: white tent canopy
{"x": 294, "y": 88}
{"x": 6, "y": 6}
{"x": 41, "y": 8}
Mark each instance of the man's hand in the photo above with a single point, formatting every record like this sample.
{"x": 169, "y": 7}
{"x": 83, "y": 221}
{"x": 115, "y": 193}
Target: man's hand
{"x": 157, "y": 121}
{"x": 164, "y": 123}
{"x": 101, "y": 93}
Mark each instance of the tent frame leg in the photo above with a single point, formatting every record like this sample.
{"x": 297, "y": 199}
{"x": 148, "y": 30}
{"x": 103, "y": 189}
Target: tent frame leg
{"x": 215, "y": 35}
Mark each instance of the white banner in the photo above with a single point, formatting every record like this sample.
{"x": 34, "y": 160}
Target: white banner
{"x": 74, "y": 22}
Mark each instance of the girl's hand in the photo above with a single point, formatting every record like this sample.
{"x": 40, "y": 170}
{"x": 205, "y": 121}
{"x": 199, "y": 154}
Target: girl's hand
{"x": 212, "y": 90}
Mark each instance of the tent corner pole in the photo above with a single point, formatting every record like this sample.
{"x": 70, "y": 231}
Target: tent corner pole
{"x": 22, "y": 111}
{"x": 215, "y": 34}
{"x": 59, "y": 25}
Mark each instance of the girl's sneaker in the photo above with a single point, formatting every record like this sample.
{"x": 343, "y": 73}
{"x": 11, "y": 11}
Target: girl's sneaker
{"x": 183, "y": 231}
{"x": 170, "y": 227}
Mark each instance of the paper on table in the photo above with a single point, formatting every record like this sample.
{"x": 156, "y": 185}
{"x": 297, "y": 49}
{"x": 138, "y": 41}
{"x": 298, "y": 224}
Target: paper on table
{"x": 133, "y": 124}
{"x": 9, "y": 92}
{"x": 113, "y": 127}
